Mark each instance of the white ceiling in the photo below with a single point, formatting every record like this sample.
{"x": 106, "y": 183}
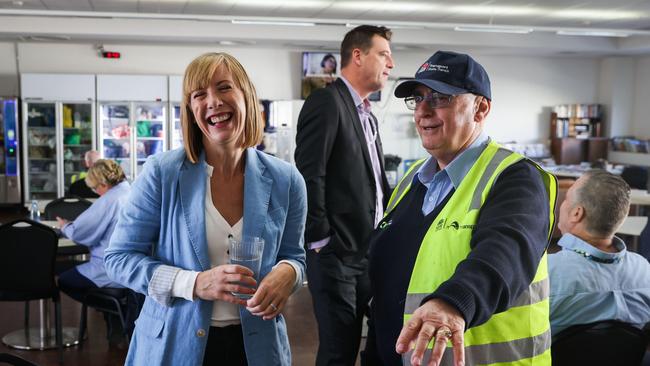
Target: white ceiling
{"x": 415, "y": 23}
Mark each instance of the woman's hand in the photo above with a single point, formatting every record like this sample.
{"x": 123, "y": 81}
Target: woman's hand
{"x": 273, "y": 292}
{"x": 61, "y": 222}
{"x": 219, "y": 282}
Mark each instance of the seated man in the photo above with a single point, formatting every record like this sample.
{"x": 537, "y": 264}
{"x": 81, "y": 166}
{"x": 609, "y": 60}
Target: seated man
{"x": 78, "y": 186}
{"x": 594, "y": 277}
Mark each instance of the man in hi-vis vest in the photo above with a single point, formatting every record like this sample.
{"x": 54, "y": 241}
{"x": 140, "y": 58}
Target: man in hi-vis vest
{"x": 458, "y": 264}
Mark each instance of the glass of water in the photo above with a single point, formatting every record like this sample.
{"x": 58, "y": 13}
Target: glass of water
{"x": 247, "y": 252}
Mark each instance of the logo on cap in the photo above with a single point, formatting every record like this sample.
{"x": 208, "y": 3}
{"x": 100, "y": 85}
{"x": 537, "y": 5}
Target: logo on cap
{"x": 431, "y": 67}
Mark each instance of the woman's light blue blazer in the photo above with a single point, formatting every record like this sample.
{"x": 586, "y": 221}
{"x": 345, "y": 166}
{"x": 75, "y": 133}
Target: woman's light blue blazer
{"x": 163, "y": 222}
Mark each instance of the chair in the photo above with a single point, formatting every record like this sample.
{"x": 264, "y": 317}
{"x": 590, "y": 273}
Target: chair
{"x": 608, "y": 342}
{"x": 123, "y": 302}
{"x": 27, "y": 269}
{"x": 635, "y": 176}
{"x": 67, "y": 207}
{"x": 8, "y": 358}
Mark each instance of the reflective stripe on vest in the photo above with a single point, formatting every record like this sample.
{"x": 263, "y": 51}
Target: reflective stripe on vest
{"x": 504, "y": 353}
{"x": 519, "y": 335}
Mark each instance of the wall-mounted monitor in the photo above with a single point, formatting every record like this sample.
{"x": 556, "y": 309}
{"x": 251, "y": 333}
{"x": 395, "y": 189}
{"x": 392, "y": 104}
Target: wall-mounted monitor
{"x": 319, "y": 69}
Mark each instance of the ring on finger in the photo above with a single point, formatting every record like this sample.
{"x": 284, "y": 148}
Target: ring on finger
{"x": 444, "y": 332}
{"x": 275, "y": 308}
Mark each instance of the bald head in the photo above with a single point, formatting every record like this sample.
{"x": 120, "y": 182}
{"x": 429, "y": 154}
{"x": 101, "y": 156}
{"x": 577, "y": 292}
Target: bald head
{"x": 91, "y": 157}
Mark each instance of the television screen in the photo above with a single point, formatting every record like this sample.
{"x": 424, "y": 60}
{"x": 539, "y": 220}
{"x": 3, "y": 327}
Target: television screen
{"x": 318, "y": 70}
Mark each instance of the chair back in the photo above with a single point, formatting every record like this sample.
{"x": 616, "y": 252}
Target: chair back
{"x": 67, "y": 207}
{"x": 635, "y": 176}
{"x": 606, "y": 342}
{"x": 27, "y": 257}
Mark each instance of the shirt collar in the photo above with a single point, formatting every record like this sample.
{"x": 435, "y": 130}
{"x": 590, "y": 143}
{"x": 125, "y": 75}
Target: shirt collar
{"x": 572, "y": 242}
{"x": 209, "y": 169}
{"x": 358, "y": 102}
{"x": 458, "y": 168}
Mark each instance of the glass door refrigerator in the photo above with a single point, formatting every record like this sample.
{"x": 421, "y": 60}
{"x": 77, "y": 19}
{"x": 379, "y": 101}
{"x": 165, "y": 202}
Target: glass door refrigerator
{"x": 58, "y": 125}
{"x": 132, "y": 117}
{"x": 175, "y": 99}
{"x": 9, "y": 162}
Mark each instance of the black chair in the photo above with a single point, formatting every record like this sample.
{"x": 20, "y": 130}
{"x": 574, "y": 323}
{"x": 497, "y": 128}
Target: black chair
{"x": 8, "y": 358}
{"x": 604, "y": 343}
{"x": 67, "y": 207}
{"x": 28, "y": 252}
{"x": 122, "y": 302}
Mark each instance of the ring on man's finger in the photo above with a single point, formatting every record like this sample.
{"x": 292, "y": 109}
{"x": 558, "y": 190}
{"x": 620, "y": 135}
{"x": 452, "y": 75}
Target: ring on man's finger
{"x": 275, "y": 308}
{"x": 444, "y": 332}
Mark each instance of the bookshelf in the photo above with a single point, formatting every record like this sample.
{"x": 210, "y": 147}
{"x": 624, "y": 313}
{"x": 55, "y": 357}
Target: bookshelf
{"x": 630, "y": 151}
{"x": 576, "y": 132}
{"x": 577, "y": 120}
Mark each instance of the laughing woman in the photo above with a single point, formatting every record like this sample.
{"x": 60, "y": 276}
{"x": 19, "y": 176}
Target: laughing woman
{"x": 171, "y": 240}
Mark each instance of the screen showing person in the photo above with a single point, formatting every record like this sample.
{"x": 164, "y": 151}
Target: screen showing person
{"x": 319, "y": 69}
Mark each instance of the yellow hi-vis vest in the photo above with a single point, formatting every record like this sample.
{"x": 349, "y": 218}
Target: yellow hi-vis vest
{"x": 520, "y": 335}
{"x": 76, "y": 177}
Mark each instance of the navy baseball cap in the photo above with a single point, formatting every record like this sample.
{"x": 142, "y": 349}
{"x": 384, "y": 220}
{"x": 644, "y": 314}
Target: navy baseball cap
{"x": 449, "y": 73}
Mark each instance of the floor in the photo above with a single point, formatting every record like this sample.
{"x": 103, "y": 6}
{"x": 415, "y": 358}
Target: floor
{"x": 96, "y": 351}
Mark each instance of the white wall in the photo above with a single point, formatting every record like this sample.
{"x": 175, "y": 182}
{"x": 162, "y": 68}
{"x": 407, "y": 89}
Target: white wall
{"x": 641, "y": 120}
{"x": 524, "y": 88}
{"x": 616, "y": 92}
{"x": 8, "y": 73}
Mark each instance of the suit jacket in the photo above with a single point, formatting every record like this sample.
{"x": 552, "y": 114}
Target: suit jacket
{"x": 164, "y": 223}
{"x": 332, "y": 155}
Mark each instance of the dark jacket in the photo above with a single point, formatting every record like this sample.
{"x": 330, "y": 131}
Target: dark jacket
{"x": 332, "y": 155}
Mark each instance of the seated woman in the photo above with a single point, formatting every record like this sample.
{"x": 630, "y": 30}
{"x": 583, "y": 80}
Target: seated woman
{"x": 94, "y": 227}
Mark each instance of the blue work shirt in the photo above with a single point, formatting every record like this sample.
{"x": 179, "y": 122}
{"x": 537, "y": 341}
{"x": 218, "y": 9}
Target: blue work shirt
{"x": 586, "y": 290}
{"x": 440, "y": 182}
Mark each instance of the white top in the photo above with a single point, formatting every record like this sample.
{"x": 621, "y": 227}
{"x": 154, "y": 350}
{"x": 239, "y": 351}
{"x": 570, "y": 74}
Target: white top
{"x": 217, "y": 231}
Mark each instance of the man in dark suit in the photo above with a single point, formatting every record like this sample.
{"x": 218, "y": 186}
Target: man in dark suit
{"x": 338, "y": 152}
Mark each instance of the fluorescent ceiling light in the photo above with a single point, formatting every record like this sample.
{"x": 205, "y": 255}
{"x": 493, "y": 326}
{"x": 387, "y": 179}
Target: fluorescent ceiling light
{"x": 271, "y": 22}
{"x": 402, "y": 7}
{"x": 492, "y": 29}
{"x": 593, "y": 33}
{"x": 595, "y": 14}
{"x": 494, "y": 10}
{"x": 300, "y": 4}
{"x": 390, "y": 26}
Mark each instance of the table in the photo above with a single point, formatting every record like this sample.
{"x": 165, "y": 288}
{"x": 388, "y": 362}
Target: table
{"x": 639, "y": 197}
{"x": 43, "y": 337}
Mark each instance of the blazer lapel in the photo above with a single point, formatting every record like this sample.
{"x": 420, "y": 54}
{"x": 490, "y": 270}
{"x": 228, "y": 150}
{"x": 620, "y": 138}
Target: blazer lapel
{"x": 191, "y": 183}
{"x": 257, "y": 192}
{"x": 352, "y": 111}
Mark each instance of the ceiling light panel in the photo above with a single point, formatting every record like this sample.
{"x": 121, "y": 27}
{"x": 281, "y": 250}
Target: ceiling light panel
{"x": 596, "y": 14}
{"x": 393, "y": 6}
{"x": 501, "y": 11}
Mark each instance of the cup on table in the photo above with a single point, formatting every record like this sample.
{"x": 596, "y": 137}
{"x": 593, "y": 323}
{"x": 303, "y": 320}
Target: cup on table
{"x": 247, "y": 252}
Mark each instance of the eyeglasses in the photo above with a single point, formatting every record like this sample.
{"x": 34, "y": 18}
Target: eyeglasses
{"x": 436, "y": 100}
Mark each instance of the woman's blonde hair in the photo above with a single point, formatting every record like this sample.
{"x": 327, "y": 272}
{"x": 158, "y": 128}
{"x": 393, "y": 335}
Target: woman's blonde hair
{"x": 197, "y": 76}
{"x": 106, "y": 172}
